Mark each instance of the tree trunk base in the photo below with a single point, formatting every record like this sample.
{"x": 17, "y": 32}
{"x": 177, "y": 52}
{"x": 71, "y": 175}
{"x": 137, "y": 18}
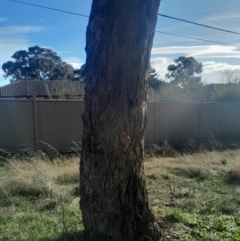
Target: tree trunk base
{"x": 114, "y": 200}
{"x": 146, "y": 232}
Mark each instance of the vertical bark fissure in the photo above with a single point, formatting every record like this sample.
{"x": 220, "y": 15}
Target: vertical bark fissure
{"x": 114, "y": 198}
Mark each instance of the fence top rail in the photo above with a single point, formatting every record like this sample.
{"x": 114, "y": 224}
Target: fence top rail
{"x": 72, "y": 100}
{"x": 175, "y": 103}
{"x": 42, "y": 100}
{"x": 12, "y": 99}
{"x": 201, "y": 103}
{"x": 59, "y": 100}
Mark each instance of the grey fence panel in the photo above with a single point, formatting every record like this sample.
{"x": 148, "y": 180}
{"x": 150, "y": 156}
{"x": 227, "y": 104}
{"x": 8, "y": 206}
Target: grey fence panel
{"x": 188, "y": 116}
{"x": 16, "y": 124}
{"x": 59, "y": 124}
{"x": 230, "y": 119}
{"x": 150, "y": 133}
{"x": 162, "y": 122}
{"x": 176, "y": 121}
{"x": 210, "y": 119}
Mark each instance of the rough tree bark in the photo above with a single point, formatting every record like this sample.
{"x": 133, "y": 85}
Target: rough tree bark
{"x": 114, "y": 198}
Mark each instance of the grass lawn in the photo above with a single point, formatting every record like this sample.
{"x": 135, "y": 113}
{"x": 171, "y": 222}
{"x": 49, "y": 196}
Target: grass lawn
{"x": 196, "y": 197}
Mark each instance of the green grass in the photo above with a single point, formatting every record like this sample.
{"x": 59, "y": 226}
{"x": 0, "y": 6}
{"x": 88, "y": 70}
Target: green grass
{"x": 38, "y": 201}
{"x": 200, "y": 198}
{"x": 195, "y": 197}
{"x": 194, "y": 226}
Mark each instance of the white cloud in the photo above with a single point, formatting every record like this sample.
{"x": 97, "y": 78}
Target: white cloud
{"x": 2, "y": 80}
{"x": 213, "y": 67}
{"x": 74, "y": 61}
{"x": 3, "y": 19}
{"x": 172, "y": 50}
{"x": 231, "y": 16}
{"x": 212, "y": 71}
{"x": 205, "y": 51}
{"x": 21, "y": 29}
{"x": 10, "y": 46}
{"x": 14, "y": 38}
{"x": 160, "y": 64}
{"x": 217, "y": 51}
{"x": 1, "y": 72}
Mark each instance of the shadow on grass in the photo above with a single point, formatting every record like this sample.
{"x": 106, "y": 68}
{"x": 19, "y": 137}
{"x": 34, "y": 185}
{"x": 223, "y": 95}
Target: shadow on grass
{"x": 233, "y": 177}
{"x": 77, "y": 236}
{"x": 193, "y": 173}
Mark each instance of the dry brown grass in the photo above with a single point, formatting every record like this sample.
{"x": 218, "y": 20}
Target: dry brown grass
{"x": 38, "y": 177}
{"x": 43, "y": 169}
{"x": 53, "y": 176}
{"x": 211, "y": 162}
{"x": 39, "y": 194}
{"x": 233, "y": 176}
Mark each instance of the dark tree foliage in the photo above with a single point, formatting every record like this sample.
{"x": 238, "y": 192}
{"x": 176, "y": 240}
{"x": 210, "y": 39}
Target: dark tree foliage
{"x": 153, "y": 79}
{"x": 183, "y": 72}
{"x": 37, "y": 64}
{"x": 79, "y": 74}
{"x": 226, "y": 92}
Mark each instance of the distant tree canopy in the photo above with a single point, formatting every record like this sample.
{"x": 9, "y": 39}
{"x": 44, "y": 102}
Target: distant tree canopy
{"x": 153, "y": 79}
{"x": 80, "y": 73}
{"x": 230, "y": 76}
{"x": 183, "y": 72}
{"x": 154, "y": 82}
{"x": 37, "y": 64}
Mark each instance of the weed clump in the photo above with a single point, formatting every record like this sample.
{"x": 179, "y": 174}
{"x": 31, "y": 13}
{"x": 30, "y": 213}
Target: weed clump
{"x": 177, "y": 147}
{"x": 175, "y": 217}
{"x": 192, "y": 173}
{"x": 190, "y": 204}
{"x": 224, "y": 161}
{"x": 164, "y": 150}
{"x": 233, "y": 176}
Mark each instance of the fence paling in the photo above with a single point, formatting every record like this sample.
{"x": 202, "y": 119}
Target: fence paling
{"x": 58, "y": 122}
{"x": 35, "y": 122}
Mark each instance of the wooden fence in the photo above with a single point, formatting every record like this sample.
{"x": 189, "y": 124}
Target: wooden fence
{"x": 39, "y": 123}
{"x": 33, "y": 123}
{"x": 182, "y": 121}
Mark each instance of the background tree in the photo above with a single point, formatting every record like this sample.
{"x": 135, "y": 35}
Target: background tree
{"x": 79, "y": 74}
{"x": 153, "y": 79}
{"x": 183, "y": 72}
{"x": 37, "y": 64}
{"x": 171, "y": 93}
{"x": 230, "y": 76}
{"x": 114, "y": 198}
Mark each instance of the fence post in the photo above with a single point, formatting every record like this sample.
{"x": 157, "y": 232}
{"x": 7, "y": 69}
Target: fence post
{"x": 220, "y": 121}
{"x": 155, "y": 123}
{"x": 35, "y": 122}
{"x": 200, "y": 120}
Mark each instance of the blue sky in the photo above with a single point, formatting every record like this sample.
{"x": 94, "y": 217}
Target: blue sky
{"x": 23, "y": 26}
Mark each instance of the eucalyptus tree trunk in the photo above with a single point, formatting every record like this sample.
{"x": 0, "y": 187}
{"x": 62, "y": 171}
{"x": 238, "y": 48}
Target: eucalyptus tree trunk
{"x": 114, "y": 200}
